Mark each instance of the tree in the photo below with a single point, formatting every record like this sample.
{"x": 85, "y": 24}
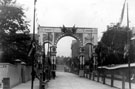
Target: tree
{"x": 14, "y": 30}
{"x": 112, "y": 44}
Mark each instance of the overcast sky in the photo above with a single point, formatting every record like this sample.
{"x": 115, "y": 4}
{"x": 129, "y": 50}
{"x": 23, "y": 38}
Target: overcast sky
{"x": 82, "y": 13}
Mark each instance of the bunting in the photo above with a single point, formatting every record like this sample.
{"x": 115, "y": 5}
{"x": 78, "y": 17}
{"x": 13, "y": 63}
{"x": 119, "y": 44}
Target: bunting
{"x": 35, "y": 1}
{"x": 32, "y": 49}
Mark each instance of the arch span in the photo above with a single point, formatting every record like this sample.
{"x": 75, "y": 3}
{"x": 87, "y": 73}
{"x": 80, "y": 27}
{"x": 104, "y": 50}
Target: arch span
{"x": 71, "y": 35}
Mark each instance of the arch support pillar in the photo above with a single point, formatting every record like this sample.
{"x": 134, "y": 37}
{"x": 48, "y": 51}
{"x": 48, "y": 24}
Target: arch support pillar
{"x": 81, "y": 58}
{"x": 82, "y": 62}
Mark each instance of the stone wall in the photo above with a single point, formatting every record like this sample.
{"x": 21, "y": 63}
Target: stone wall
{"x": 17, "y": 73}
{"x": 3, "y": 71}
{"x": 14, "y": 74}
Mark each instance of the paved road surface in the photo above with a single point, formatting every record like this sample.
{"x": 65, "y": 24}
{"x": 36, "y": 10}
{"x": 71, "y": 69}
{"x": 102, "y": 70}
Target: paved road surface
{"x": 70, "y": 81}
{"x": 66, "y": 80}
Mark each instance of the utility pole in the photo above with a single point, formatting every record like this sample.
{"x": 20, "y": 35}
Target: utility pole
{"x": 129, "y": 43}
{"x": 33, "y": 42}
{"x": 48, "y": 58}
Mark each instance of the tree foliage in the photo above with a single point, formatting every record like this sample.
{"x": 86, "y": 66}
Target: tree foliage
{"x": 12, "y": 19}
{"x": 115, "y": 38}
{"x": 14, "y": 37}
{"x": 110, "y": 49}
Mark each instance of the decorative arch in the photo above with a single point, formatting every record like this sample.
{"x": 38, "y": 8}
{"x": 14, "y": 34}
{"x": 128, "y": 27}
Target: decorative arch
{"x": 53, "y": 34}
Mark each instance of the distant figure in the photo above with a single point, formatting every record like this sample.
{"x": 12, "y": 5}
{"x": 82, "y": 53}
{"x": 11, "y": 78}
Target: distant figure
{"x": 53, "y": 74}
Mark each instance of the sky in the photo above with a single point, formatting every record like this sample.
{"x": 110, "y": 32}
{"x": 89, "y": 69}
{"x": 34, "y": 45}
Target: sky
{"x": 63, "y": 46}
{"x": 81, "y": 13}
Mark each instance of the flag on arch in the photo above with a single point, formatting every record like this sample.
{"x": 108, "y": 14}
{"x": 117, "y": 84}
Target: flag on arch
{"x": 35, "y": 1}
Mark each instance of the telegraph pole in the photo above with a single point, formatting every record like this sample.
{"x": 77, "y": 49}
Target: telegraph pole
{"x": 48, "y": 58}
{"x": 129, "y": 43}
{"x": 33, "y": 41}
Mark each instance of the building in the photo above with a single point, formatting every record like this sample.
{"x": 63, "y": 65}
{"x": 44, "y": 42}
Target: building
{"x": 75, "y": 49}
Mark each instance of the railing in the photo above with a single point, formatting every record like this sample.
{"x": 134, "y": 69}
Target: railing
{"x": 107, "y": 75}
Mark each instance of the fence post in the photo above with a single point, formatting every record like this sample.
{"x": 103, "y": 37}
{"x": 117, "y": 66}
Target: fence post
{"x": 89, "y": 75}
{"x": 112, "y": 78}
{"x": 98, "y": 76}
{"x": 93, "y": 76}
{"x": 123, "y": 81}
{"x": 103, "y": 78}
{"x": 40, "y": 81}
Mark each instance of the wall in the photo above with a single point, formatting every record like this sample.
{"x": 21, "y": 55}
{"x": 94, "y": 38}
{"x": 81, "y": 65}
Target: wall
{"x": 17, "y": 73}
{"x": 27, "y": 73}
{"x": 3, "y": 71}
{"x": 75, "y": 48}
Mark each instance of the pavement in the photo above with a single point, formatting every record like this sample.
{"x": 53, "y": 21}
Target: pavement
{"x": 118, "y": 84}
{"x": 65, "y": 80}
{"x": 27, "y": 85}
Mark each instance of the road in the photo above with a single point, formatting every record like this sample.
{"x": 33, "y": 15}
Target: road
{"x": 71, "y": 81}
{"x": 66, "y": 80}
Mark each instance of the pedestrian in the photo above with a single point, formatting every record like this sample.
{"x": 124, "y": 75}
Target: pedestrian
{"x": 53, "y": 74}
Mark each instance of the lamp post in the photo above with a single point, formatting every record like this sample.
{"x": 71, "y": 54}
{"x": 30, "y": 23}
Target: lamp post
{"x": 129, "y": 54}
{"x": 43, "y": 63}
{"x": 128, "y": 43}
